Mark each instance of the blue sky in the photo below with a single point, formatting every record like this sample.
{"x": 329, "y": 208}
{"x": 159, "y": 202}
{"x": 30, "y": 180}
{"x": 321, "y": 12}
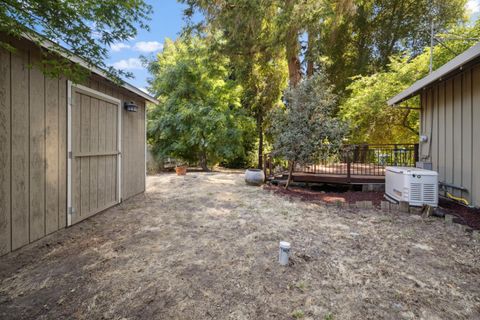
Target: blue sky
{"x": 167, "y": 22}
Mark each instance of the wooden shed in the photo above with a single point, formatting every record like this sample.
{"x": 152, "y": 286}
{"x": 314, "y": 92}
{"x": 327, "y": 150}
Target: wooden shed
{"x": 68, "y": 151}
{"x": 450, "y": 123}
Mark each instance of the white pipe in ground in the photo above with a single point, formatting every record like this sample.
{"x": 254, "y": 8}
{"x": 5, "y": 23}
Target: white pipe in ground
{"x": 284, "y": 252}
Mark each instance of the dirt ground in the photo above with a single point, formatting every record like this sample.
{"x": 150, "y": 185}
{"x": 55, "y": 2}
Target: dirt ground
{"x": 332, "y": 196}
{"x": 205, "y": 246}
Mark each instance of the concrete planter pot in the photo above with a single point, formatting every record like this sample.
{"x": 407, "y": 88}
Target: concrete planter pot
{"x": 254, "y": 177}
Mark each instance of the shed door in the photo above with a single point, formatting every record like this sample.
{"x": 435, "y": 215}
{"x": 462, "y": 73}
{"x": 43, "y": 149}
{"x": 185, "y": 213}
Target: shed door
{"x": 95, "y": 155}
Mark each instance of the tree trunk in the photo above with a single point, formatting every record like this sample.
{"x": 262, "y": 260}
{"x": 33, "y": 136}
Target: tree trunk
{"x": 203, "y": 161}
{"x": 309, "y": 55}
{"x": 292, "y": 47}
{"x": 260, "y": 139}
{"x": 290, "y": 174}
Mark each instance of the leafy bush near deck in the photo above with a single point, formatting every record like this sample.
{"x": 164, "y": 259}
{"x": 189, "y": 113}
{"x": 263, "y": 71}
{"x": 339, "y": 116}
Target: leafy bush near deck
{"x": 307, "y": 129}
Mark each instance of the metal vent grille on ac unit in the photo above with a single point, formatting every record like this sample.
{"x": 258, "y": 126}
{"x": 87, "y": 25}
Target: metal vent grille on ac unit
{"x": 416, "y": 191}
{"x": 429, "y": 192}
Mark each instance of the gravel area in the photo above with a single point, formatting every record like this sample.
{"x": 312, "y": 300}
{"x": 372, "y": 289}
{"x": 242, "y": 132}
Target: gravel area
{"x": 205, "y": 246}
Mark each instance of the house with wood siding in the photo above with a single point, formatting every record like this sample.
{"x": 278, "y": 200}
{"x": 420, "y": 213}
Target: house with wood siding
{"x": 450, "y": 123}
{"x": 68, "y": 151}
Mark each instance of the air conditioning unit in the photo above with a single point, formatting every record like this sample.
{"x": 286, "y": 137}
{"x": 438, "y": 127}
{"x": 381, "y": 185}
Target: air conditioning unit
{"x": 413, "y": 185}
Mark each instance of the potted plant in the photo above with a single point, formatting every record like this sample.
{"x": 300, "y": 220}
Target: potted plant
{"x": 181, "y": 169}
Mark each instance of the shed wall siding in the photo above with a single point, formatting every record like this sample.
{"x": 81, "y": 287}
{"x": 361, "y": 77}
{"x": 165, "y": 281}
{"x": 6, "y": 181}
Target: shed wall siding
{"x": 451, "y": 120}
{"x": 5, "y": 154}
{"x": 33, "y": 141}
{"x": 133, "y": 138}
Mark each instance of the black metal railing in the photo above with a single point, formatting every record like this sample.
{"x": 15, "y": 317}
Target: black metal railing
{"x": 358, "y": 160}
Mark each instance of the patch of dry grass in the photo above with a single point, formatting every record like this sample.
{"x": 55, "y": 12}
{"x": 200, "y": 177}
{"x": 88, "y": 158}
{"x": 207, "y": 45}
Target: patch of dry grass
{"x": 204, "y": 246}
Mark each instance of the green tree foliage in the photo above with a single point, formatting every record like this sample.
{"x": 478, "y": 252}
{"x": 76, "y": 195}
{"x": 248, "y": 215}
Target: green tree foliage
{"x": 199, "y": 118}
{"x": 371, "y": 120}
{"x": 249, "y": 40}
{"x": 346, "y": 37}
{"x": 360, "y": 38}
{"x": 307, "y": 129}
{"x": 86, "y": 27}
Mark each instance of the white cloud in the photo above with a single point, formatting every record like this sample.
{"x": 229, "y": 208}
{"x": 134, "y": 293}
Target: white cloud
{"x": 148, "y": 46}
{"x": 128, "y": 64}
{"x": 119, "y": 46}
{"x": 473, "y": 6}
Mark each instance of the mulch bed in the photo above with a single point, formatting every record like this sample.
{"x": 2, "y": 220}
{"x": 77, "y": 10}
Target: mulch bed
{"x": 463, "y": 215}
{"x": 328, "y": 197}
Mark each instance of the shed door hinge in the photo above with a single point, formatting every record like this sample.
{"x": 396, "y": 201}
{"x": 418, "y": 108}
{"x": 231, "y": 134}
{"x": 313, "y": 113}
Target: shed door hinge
{"x": 70, "y": 155}
{"x": 71, "y": 211}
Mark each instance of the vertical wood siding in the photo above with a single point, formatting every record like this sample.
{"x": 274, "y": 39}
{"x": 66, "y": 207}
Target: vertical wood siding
{"x": 466, "y": 131}
{"x": 33, "y": 140}
{"x": 62, "y": 153}
{"x": 37, "y": 152}
{"x": 33, "y": 143}
{"x": 451, "y": 120}
{"x": 133, "y": 138}
{"x": 51, "y": 155}
{"x": 94, "y": 150}
{"x": 457, "y": 134}
{"x": 475, "y": 127}
{"x": 20, "y": 129}
{"x": 5, "y": 154}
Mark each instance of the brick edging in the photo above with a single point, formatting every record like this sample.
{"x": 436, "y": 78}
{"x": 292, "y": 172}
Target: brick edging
{"x": 403, "y": 207}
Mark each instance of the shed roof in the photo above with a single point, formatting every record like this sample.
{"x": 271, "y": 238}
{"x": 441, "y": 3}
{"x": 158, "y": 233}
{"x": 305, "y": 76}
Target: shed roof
{"x": 455, "y": 64}
{"x": 50, "y": 45}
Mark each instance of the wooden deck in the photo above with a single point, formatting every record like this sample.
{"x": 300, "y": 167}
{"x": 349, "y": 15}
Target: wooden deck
{"x": 353, "y": 164}
{"x": 336, "y": 178}
{"x": 340, "y": 173}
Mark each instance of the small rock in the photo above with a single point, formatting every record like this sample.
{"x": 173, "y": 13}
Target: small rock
{"x": 368, "y": 204}
{"x": 308, "y": 302}
{"x": 397, "y": 305}
{"x": 360, "y": 204}
{"x": 385, "y": 205}
{"x": 476, "y": 234}
{"x": 448, "y": 219}
{"x": 422, "y": 247}
{"x": 408, "y": 315}
{"x": 404, "y": 206}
